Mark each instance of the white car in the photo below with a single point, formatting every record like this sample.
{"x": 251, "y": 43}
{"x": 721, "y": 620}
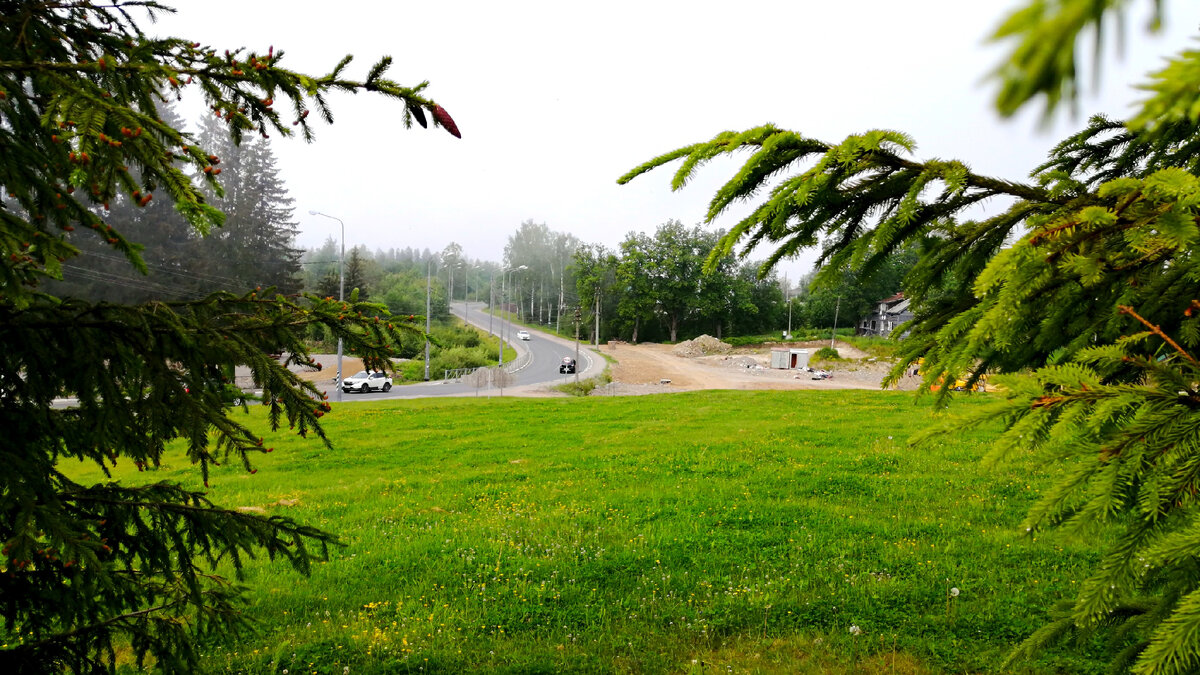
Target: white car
{"x": 523, "y": 334}
{"x": 365, "y": 382}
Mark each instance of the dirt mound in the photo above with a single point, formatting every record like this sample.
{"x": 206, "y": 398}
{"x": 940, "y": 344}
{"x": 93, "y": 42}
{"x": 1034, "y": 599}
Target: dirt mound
{"x": 743, "y": 362}
{"x": 701, "y": 346}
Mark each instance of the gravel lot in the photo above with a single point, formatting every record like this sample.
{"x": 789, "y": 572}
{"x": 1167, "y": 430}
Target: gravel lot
{"x": 655, "y": 368}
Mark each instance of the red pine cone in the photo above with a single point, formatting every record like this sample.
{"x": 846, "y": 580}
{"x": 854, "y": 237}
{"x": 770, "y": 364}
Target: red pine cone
{"x": 443, "y": 118}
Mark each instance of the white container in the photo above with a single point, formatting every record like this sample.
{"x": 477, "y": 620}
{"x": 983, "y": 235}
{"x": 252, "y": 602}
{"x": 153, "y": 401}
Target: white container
{"x": 798, "y": 358}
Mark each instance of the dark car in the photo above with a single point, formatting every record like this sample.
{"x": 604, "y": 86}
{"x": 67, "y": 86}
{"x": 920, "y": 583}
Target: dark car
{"x": 567, "y": 365}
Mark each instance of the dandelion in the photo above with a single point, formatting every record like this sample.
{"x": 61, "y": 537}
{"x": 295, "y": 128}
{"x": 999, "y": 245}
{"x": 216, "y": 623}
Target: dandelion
{"x": 954, "y": 592}
{"x": 855, "y": 630}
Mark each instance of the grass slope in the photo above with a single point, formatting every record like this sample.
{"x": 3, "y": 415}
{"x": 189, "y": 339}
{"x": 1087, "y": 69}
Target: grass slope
{"x": 687, "y": 533}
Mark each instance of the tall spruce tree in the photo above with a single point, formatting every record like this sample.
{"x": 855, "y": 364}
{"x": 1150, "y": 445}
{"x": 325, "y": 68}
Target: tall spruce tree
{"x": 1093, "y": 313}
{"x": 169, "y": 247}
{"x": 254, "y": 246}
{"x": 90, "y": 570}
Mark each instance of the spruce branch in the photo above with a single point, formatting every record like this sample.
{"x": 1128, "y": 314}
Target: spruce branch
{"x": 1124, "y": 309}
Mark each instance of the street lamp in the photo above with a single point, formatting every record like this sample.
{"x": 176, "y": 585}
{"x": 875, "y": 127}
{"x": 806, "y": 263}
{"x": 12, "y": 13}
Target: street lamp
{"x": 578, "y": 316}
{"x": 788, "y": 294}
{"x": 428, "y": 308}
{"x": 491, "y": 300}
{"x": 466, "y": 299}
{"x": 450, "y": 267}
{"x": 835, "y": 316}
{"x": 341, "y": 293}
{"x": 504, "y": 300}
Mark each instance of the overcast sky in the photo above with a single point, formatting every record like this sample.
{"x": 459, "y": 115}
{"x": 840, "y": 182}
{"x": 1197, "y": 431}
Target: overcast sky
{"x": 555, "y": 100}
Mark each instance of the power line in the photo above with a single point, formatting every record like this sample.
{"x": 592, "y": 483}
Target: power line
{"x": 230, "y": 282}
{"x": 125, "y": 282}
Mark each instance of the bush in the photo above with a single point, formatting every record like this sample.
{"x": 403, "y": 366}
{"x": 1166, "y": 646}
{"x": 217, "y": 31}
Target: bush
{"x": 456, "y": 335}
{"x": 443, "y": 359}
{"x": 827, "y": 354}
{"x": 585, "y": 387}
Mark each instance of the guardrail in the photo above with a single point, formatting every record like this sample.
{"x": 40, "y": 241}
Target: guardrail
{"x": 457, "y": 374}
{"x": 520, "y": 362}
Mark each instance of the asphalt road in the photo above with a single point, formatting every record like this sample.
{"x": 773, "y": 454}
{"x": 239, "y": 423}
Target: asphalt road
{"x": 541, "y": 370}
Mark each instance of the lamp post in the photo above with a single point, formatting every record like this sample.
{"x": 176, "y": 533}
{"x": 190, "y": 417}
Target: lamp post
{"x": 504, "y": 300}
{"x": 491, "y": 300}
{"x": 788, "y": 295}
{"x": 578, "y": 316}
{"x": 836, "y": 307}
{"x": 458, "y": 264}
{"x": 428, "y": 306}
{"x": 466, "y": 300}
{"x": 341, "y": 292}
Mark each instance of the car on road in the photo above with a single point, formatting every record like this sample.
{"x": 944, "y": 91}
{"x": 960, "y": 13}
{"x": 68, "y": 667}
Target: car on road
{"x": 567, "y": 366}
{"x": 523, "y": 334}
{"x": 364, "y": 382}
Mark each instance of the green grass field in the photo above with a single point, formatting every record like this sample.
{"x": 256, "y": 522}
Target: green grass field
{"x": 689, "y": 533}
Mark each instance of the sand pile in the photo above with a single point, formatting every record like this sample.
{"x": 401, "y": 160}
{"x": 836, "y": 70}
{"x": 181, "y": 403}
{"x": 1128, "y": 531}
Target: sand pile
{"x": 701, "y": 346}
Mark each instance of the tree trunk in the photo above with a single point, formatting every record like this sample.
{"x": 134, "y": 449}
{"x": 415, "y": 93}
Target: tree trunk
{"x": 718, "y": 330}
{"x": 637, "y": 321}
{"x": 597, "y": 332}
{"x": 674, "y": 326}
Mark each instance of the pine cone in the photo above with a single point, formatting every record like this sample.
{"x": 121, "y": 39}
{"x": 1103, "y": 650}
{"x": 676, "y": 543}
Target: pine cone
{"x": 419, "y": 115}
{"x": 443, "y": 118}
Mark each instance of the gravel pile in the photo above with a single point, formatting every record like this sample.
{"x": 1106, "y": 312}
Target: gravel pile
{"x": 744, "y": 362}
{"x": 701, "y": 346}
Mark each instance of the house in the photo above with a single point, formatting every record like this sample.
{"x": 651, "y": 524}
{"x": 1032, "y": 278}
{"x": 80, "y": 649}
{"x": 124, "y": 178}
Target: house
{"x": 888, "y": 314}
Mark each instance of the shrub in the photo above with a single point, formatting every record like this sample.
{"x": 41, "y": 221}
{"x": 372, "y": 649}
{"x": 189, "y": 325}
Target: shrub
{"x": 827, "y": 354}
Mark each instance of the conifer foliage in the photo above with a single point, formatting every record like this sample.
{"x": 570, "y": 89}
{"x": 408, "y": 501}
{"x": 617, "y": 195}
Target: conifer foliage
{"x": 1084, "y": 294}
{"x": 90, "y": 570}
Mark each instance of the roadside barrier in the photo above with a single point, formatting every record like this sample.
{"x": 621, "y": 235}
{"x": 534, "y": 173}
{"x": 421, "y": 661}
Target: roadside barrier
{"x": 457, "y": 374}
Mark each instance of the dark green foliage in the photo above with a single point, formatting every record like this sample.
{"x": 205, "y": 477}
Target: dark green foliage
{"x": 145, "y": 375}
{"x": 90, "y": 570}
{"x": 826, "y": 354}
{"x": 251, "y": 249}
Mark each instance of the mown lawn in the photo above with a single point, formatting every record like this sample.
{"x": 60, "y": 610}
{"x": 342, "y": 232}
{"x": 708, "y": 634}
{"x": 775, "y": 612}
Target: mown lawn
{"x": 689, "y": 533}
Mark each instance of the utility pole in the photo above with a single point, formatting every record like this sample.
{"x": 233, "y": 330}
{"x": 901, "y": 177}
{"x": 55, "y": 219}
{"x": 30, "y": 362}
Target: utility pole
{"x": 428, "y": 274}
{"x": 578, "y": 316}
{"x": 788, "y": 294}
{"x": 836, "y": 307}
{"x": 341, "y": 292}
{"x": 503, "y": 300}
